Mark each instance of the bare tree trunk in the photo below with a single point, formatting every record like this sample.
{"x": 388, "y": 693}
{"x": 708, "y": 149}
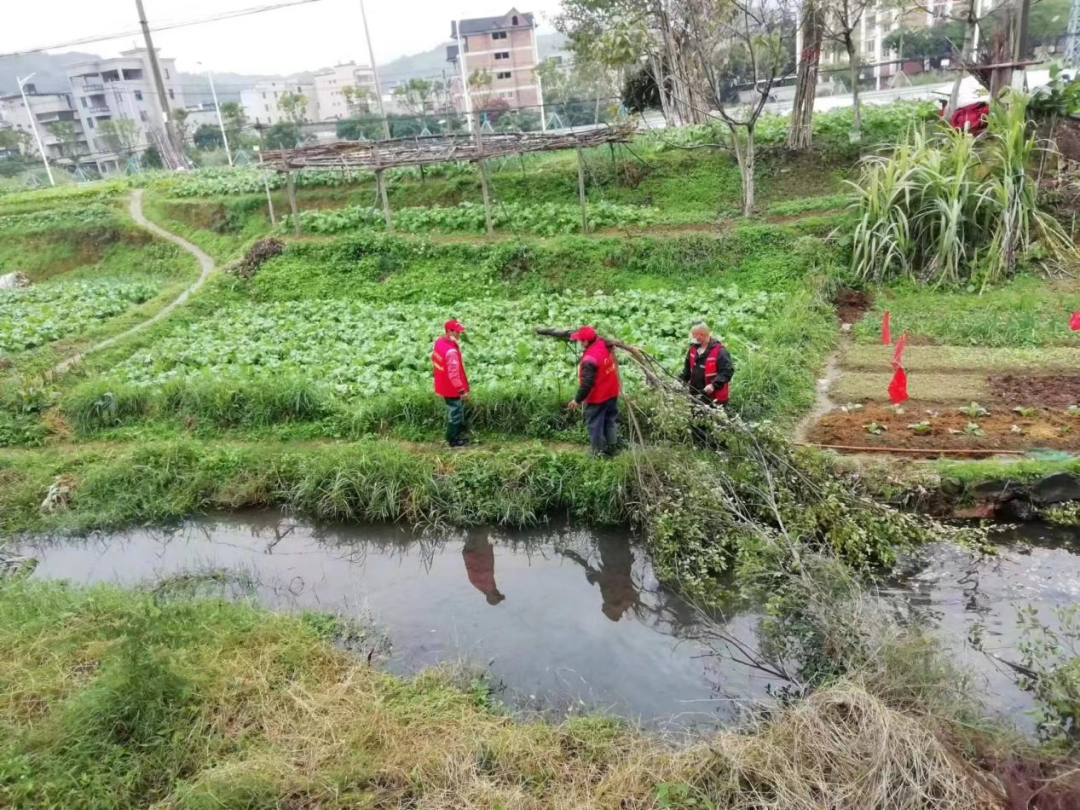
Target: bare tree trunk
{"x": 801, "y": 134}
{"x": 661, "y": 84}
{"x": 744, "y": 155}
{"x": 970, "y": 26}
{"x": 853, "y": 66}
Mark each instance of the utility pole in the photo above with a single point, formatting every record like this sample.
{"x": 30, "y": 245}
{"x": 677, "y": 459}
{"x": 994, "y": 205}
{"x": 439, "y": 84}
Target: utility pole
{"x": 159, "y": 84}
{"x": 375, "y": 73}
{"x": 466, "y": 95}
{"x": 220, "y": 120}
{"x": 1072, "y": 43}
{"x": 33, "y": 126}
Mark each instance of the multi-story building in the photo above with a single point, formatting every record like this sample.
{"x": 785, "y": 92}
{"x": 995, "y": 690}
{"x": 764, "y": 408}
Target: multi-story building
{"x": 262, "y": 106}
{"x": 122, "y": 90}
{"x": 498, "y": 59}
{"x": 62, "y": 145}
{"x": 333, "y": 99}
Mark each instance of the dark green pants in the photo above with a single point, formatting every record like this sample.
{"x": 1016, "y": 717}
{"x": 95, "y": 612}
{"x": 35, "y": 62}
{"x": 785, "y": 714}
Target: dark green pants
{"x": 455, "y": 420}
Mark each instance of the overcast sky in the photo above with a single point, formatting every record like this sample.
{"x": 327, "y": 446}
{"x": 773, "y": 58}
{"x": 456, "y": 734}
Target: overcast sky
{"x": 282, "y": 41}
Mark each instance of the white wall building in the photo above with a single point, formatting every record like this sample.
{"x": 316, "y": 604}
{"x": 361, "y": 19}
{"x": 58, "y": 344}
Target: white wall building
{"x": 330, "y": 86}
{"x": 122, "y": 88}
{"x": 48, "y": 109}
{"x": 261, "y": 103}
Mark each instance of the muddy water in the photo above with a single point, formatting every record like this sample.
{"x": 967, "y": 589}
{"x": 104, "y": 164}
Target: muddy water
{"x": 563, "y": 619}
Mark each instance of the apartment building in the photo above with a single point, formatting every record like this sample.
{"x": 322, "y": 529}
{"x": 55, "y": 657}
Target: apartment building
{"x": 332, "y": 100}
{"x": 500, "y": 50}
{"x": 47, "y": 109}
{"x": 262, "y": 105}
{"x": 122, "y": 89}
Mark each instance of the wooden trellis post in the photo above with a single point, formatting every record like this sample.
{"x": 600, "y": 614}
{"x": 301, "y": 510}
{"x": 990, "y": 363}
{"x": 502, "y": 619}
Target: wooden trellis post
{"x": 581, "y": 189}
{"x": 290, "y": 187}
{"x": 380, "y": 181}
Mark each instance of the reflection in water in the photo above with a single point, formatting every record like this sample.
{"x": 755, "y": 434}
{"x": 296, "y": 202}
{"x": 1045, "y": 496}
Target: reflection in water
{"x": 582, "y": 621}
{"x": 479, "y": 556}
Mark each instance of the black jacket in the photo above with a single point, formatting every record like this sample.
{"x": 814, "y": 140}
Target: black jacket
{"x": 725, "y": 369}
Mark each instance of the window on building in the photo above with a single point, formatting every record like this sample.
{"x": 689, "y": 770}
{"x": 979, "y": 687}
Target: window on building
{"x": 508, "y": 94}
{"x": 502, "y": 54}
{"x": 503, "y": 74}
{"x": 83, "y": 100}
{"x": 90, "y": 122}
{"x": 172, "y": 95}
{"x": 513, "y": 20}
{"x": 498, "y": 35}
{"x": 264, "y": 95}
{"x": 166, "y": 73}
{"x": 144, "y": 117}
{"x": 138, "y": 95}
{"x": 869, "y": 46}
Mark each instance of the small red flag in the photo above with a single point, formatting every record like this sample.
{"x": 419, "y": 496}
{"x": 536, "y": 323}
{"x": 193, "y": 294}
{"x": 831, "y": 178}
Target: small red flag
{"x": 898, "y": 355}
{"x": 898, "y": 386}
{"x": 1074, "y": 321}
{"x": 886, "y": 336}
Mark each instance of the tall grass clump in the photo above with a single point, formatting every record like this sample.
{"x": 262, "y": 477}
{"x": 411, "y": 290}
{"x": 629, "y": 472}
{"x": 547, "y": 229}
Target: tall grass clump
{"x": 948, "y": 208}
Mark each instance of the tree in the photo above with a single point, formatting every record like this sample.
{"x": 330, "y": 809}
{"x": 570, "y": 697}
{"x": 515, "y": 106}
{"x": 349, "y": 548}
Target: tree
{"x": 294, "y": 105}
{"x": 180, "y": 122}
{"x": 234, "y": 118}
{"x": 812, "y": 27}
{"x": 641, "y": 92}
{"x": 480, "y": 83}
{"x": 842, "y": 20}
{"x": 357, "y": 99}
{"x": 16, "y": 140}
{"x": 208, "y": 137}
{"x": 282, "y": 136}
{"x": 735, "y": 42}
{"x": 120, "y": 135}
{"x": 416, "y": 95}
{"x": 151, "y": 159}
{"x": 67, "y": 137}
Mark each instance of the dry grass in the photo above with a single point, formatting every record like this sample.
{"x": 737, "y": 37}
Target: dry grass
{"x": 873, "y": 387}
{"x": 279, "y": 718}
{"x": 865, "y": 357}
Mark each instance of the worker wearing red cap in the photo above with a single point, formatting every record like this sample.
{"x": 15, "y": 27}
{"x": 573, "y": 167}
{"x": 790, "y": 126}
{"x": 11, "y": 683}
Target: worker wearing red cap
{"x": 599, "y": 389}
{"x": 450, "y": 381}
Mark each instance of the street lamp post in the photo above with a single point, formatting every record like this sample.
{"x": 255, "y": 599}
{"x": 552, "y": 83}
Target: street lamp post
{"x": 33, "y": 126}
{"x": 220, "y": 120}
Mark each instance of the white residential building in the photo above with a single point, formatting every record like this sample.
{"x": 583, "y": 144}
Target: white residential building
{"x": 330, "y": 94}
{"x": 261, "y": 103}
{"x": 48, "y": 109}
{"x": 122, "y": 89}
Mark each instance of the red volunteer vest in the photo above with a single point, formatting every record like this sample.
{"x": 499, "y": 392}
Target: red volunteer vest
{"x": 444, "y": 386}
{"x": 606, "y": 384}
{"x": 719, "y": 394}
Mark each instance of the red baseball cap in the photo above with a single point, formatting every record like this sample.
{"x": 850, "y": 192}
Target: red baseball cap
{"x": 453, "y": 325}
{"x": 585, "y": 333}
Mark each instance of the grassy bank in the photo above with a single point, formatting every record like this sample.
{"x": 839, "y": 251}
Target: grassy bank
{"x": 121, "y": 699}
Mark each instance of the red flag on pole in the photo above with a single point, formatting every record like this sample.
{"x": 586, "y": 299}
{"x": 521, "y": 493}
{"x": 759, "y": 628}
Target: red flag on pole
{"x": 898, "y": 386}
{"x": 1074, "y": 321}
{"x": 886, "y": 336}
{"x": 898, "y": 355}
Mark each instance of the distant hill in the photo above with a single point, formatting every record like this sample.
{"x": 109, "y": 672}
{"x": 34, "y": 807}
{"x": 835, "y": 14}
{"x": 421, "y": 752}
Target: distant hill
{"x": 51, "y": 70}
{"x": 430, "y": 64}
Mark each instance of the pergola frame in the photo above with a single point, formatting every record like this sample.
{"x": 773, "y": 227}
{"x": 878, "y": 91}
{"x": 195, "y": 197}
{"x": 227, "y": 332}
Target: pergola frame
{"x": 378, "y": 156}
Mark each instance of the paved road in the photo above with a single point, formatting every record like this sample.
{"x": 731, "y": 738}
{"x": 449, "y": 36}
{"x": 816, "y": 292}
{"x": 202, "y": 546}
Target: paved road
{"x": 206, "y": 267}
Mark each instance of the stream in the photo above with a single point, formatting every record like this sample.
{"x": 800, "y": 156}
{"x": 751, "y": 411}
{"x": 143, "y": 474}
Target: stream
{"x": 563, "y": 619}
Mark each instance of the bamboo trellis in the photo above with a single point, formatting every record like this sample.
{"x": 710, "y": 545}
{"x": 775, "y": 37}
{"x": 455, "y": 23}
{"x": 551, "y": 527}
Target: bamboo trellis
{"x": 378, "y": 156}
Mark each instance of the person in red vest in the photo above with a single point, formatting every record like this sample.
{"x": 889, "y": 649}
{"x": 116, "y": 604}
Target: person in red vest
{"x": 450, "y": 381}
{"x": 707, "y": 372}
{"x": 599, "y": 389}
{"x": 479, "y": 556}
{"x": 708, "y": 369}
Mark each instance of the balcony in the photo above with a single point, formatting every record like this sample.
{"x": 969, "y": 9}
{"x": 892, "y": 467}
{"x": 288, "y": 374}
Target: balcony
{"x": 99, "y": 111}
{"x": 93, "y": 88}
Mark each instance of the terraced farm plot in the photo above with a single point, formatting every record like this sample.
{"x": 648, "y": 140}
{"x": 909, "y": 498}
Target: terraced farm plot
{"x": 361, "y": 349}
{"x": 38, "y": 315}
